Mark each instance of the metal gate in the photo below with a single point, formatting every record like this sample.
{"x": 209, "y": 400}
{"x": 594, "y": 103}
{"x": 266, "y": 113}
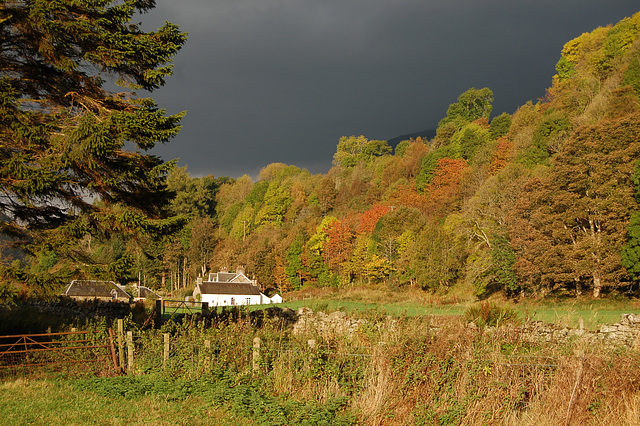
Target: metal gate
{"x": 74, "y": 352}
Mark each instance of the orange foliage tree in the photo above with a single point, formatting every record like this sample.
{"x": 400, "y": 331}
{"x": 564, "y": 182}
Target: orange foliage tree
{"x": 409, "y": 196}
{"x": 413, "y": 156}
{"x": 501, "y": 155}
{"x": 337, "y": 247}
{"x": 444, "y": 187}
{"x": 369, "y": 218}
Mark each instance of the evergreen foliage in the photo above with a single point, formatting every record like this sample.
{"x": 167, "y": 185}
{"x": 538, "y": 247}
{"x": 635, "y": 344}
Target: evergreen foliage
{"x": 71, "y": 160}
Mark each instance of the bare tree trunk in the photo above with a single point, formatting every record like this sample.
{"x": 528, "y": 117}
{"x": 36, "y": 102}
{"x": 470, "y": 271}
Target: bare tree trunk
{"x": 184, "y": 273}
{"x": 597, "y": 284}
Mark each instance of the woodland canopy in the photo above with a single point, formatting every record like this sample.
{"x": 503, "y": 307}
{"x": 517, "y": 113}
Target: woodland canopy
{"x": 543, "y": 201}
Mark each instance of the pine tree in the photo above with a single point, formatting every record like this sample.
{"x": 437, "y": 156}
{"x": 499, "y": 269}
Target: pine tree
{"x": 72, "y": 151}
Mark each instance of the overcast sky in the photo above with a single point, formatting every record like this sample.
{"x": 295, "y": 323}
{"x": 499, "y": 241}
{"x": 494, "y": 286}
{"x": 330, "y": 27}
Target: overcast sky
{"x": 267, "y": 81}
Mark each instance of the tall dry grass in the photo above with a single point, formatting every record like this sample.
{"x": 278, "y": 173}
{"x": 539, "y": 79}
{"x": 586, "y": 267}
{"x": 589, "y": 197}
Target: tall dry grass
{"x": 424, "y": 371}
{"x": 415, "y": 370}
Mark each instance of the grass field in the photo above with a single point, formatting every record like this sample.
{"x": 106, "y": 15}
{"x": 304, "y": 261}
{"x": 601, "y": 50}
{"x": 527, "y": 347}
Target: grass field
{"x": 567, "y": 312}
{"x": 56, "y": 402}
{"x": 415, "y": 302}
{"x": 393, "y": 371}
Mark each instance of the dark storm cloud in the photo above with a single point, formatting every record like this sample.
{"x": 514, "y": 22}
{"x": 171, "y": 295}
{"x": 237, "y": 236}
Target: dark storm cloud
{"x": 281, "y": 81}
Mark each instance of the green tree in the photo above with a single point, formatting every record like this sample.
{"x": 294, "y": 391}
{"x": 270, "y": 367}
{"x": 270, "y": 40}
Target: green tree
{"x": 352, "y": 149}
{"x": 277, "y": 200}
{"x": 195, "y": 197}
{"x": 294, "y": 267}
{"x": 66, "y": 139}
{"x": 630, "y": 258}
{"x": 468, "y": 140}
{"x": 471, "y": 105}
{"x": 500, "y": 125}
{"x": 436, "y": 259}
{"x": 201, "y": 244}
{"x": 631, "y": 250}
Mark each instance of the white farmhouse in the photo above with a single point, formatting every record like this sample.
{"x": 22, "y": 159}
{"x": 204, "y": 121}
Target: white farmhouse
{"x": 230, "y": 289}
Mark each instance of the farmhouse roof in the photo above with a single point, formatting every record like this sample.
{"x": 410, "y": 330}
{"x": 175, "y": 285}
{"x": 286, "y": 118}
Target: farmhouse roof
{"x": 90, "y": 288}
{"x": 248, "y": 289}
{"x": 228, "y": 277}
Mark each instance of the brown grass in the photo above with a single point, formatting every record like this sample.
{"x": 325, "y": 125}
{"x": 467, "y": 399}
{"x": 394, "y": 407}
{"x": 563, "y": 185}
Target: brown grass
{"x": 430, "y": 370}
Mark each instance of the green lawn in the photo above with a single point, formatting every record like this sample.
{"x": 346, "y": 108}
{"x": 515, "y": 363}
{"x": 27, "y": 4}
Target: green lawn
{"x": 568, "y": 312}
{"x": 395, "y": 309}
{"x": 54, "y": 402}
{"x": 593, "y": 313}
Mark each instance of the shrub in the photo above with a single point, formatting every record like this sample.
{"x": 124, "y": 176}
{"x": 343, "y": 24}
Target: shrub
{"x": 489, "y": 314}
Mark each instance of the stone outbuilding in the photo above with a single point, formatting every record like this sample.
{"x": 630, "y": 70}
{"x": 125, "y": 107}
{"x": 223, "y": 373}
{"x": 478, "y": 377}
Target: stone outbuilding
{"x": 139, "y": 292}
{"x": 92, "y": 289}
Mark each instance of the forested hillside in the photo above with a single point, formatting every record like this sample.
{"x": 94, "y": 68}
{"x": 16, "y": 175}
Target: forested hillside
{"x": 542, "y": 201}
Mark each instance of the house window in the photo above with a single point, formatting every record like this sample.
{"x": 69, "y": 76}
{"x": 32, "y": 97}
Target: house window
{"x": 248, "y": 301}
{"x": 233, "y": 301}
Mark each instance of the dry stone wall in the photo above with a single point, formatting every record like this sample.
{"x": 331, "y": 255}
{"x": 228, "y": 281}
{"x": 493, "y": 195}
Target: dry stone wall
{"x": 624, "y": 333}
{"x": 325, "y": 324}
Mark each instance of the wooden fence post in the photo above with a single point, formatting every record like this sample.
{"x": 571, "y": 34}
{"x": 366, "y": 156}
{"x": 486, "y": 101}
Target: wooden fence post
{"x": 205, "y": 309}
{"x": 165, "y": 352}
{"x": 311, "y": 344}
{"x": 207, "y": 358}
{"x": 120, "y": 323}
{"x": 158, "y": 317}
{"x": 130, "y": 350}
{"x": 256, "y": 354}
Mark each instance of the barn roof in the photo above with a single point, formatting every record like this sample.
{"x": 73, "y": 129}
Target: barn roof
{"x": 90, "y": 288}
{"x": 146, "y": 292}
{"x": 141, "y": 292}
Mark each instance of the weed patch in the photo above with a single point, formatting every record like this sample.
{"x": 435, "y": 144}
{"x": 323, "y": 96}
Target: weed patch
{"x": 489, "y": 314}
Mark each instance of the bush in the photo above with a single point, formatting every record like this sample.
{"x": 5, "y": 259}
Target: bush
{"x": 490, "y": 314}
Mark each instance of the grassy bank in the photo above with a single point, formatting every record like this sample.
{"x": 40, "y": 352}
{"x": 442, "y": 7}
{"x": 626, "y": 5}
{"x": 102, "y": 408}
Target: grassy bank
{"x": 568, "y": 312}
{"x": 391, "y": 371}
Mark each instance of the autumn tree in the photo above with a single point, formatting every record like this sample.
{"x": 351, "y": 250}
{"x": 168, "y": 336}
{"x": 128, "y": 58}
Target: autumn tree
{"x": 337, "y": 247}
{"x": 201, "y": 244}
{"x": 443, "y": 191}
{"x": 578, "y": 214}
{"x": 413, "y": 155}
{"x": 502, "y": 155}
{"x": 370, "y": 218}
